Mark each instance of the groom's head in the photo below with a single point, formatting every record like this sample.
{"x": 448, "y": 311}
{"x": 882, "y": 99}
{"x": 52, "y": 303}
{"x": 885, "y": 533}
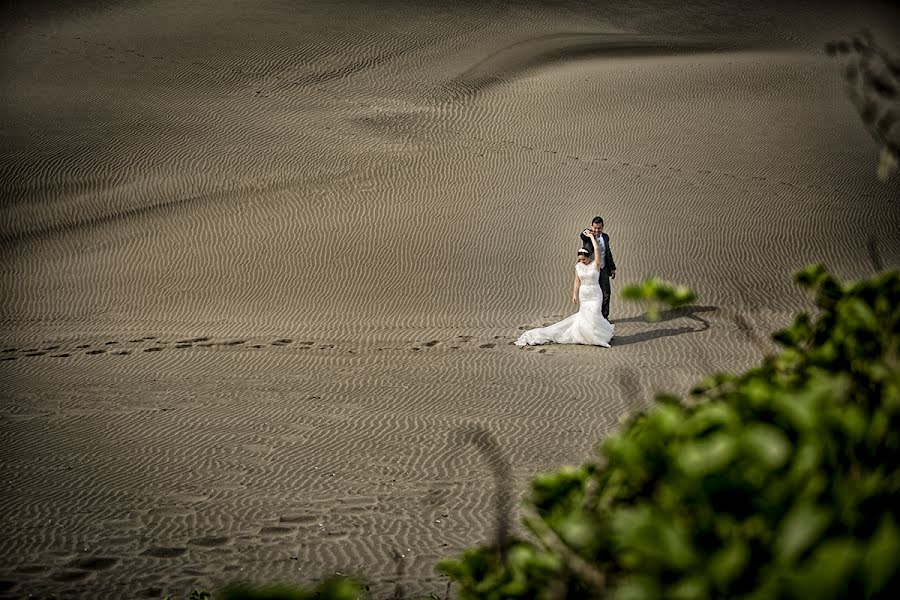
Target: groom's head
{"x": 597, "y": 226}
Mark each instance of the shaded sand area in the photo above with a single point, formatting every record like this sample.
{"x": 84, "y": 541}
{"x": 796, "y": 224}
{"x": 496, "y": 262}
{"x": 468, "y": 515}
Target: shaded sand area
{"x": 261, "y": 262}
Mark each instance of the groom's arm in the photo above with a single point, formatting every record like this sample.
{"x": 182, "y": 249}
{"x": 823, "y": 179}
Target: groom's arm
{"x": 609, "y": 258}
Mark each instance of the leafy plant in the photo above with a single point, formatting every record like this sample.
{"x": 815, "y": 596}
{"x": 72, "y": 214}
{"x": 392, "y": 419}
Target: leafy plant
{"x": 783, "y": 481}
{"x": 872, "y": 77}
{"x": 335, "y": 588}
{"x": 656, "y": 293}
{"x": 195, "y": 595}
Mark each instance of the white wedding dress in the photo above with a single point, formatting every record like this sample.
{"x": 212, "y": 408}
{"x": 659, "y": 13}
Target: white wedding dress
{"x": 587, "y": 326}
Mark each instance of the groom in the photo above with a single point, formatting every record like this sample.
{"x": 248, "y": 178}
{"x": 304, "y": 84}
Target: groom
{"x": 607, "y": 264}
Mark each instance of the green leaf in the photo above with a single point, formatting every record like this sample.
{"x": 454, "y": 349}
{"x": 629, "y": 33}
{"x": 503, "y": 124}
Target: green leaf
{"x": 577, "y": 531}
{"x": 637, "y": 588}
{"x": 850, "y": 419}
{"x": 881, "y": 556}
{"x": 727, "y": 564}
{"x": 800, "y": 529}
{"x": 887, "y": 163}
{"x": 859, "y": 315}
{"x": 811, "y": 275}
{"x": 683, "y": 295}
{"x": 827, "y": 572}
{"x": 768, "y": 444}
{"x": 652, "y": 535}
{"x": 655, "y": 293}
{"x": 335, "y": 588}
{"x": 807, "y": 459}
{"x": 453, "y": 568}
{"x": 666, "y": 418}
{"x": 694, "y": 587}
{"x": 708, "y": 455}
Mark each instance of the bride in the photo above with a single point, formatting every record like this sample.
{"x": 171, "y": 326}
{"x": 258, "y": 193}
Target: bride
{"x": 587, "y": 326}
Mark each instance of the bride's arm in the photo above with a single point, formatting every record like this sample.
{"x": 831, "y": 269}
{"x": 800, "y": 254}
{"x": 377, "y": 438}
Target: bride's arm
{"x": 575, "y": 287}
{"x": 596, "y": 251}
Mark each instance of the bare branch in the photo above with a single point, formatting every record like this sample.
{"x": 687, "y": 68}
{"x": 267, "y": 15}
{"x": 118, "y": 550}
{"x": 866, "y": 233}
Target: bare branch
{"x": 579, "y": 566}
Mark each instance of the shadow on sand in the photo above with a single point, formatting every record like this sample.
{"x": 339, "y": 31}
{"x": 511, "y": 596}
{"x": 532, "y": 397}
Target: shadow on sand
{"x": 687, "y": 312}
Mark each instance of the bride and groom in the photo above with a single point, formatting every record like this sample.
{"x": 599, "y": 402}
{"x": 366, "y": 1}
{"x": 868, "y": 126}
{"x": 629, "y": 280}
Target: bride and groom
{"x": 590, "y": 290}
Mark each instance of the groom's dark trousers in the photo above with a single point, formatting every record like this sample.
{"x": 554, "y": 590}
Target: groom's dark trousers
{"x": 607, "y": 291}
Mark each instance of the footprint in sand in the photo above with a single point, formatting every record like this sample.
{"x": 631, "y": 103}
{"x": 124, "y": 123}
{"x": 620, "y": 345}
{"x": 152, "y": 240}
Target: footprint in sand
{"x": 163, "y": 552}
{"x": 298, "y": 519}
{"x": 32, "y": 569}
{"x": 67, "y": 576}
{"x": 95, "y": 352}
{"x": 210, "y": 541}
{"x": 486, "y": 345}
{"x": 92, "y": 563}
{"x": 153, "y": 349}
{"x": 275, "y": 530}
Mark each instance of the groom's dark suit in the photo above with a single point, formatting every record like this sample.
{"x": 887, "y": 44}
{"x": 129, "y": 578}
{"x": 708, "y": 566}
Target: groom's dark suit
{"x": 608, "y": 265}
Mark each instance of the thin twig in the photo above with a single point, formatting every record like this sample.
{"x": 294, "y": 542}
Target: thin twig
{"x": 580, "y": 567}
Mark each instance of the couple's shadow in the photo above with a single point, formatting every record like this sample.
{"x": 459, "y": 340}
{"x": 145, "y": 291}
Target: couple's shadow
{"x": 686, "y": 312}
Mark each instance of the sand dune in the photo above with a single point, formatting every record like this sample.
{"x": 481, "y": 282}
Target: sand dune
{"x": 262, "y": 262}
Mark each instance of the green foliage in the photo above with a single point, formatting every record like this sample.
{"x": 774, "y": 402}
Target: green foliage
{"x": 195, "y": 595}
{"x": 525, "y": 572}
{"x": 336, "y": 588}
{"x": 872, "y": 78}
{"x": 655, "y": 293}
{"x": 887, "y": 163}
{"x": 783, "y": 481}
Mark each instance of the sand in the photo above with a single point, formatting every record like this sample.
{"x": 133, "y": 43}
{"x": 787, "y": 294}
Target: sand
{"x": 262, "y": 263}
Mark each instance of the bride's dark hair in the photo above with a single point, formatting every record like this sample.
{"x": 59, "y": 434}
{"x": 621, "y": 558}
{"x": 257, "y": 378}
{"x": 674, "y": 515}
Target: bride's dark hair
{"x": 583, "y": 252}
